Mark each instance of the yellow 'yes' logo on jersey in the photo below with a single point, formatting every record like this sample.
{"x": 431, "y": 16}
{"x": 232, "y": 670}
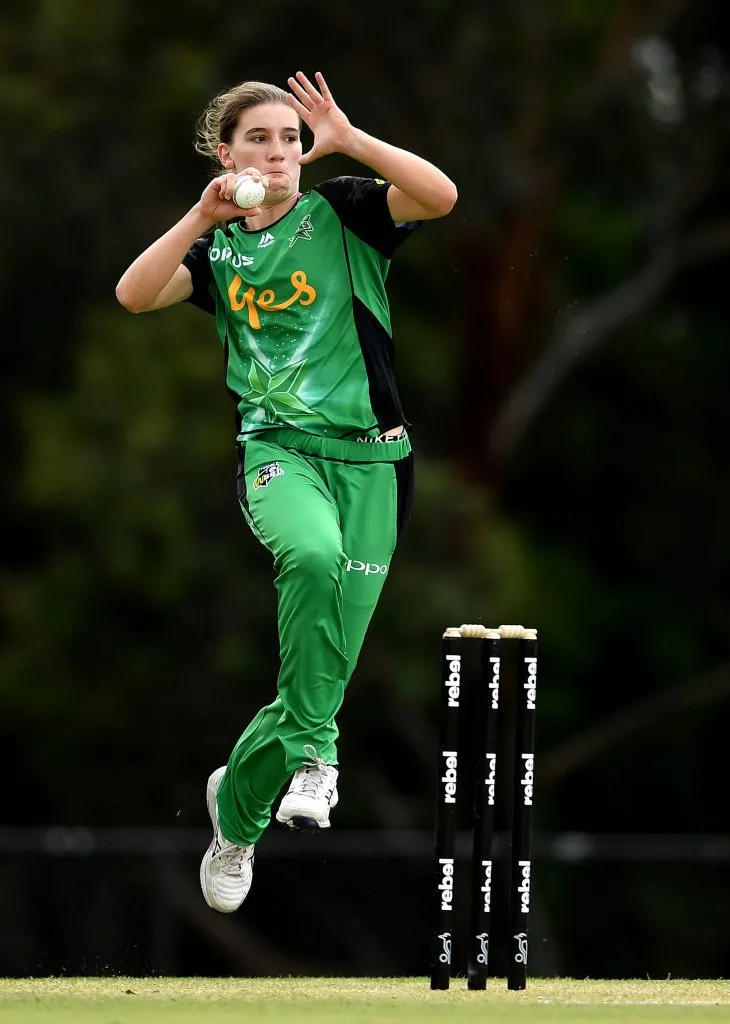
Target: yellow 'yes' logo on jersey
{"x": 303, "y": 293}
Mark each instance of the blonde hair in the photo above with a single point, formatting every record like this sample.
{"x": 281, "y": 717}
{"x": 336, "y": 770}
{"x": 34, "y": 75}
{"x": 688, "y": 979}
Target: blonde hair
{"x": 218, "y": 121}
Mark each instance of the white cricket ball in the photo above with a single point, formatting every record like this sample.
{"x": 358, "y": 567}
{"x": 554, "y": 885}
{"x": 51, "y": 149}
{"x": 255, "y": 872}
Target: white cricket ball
{"x": 248, "y": 192}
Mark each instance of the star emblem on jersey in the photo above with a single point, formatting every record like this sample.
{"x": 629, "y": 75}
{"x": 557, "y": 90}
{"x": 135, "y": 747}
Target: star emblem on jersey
{"x": 304, "y": 231}
{"x": 276, "y": 393}
{"x": 266, "y": 239}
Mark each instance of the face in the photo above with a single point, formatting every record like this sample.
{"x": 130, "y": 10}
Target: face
{"x": 267, "y": 138}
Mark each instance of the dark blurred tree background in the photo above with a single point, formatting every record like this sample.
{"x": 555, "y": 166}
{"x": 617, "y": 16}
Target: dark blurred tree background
{"x": 562, "y": 352}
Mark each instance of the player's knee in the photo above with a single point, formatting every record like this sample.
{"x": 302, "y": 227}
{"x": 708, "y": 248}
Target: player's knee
{"x": 317, "y": 558}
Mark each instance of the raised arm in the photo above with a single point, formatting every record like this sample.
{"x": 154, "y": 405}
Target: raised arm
{"x": 157, "y": 277}
{"x": 419, "y": 191}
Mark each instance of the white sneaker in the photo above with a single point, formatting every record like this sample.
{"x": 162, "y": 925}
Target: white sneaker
{"x": 226, "y": 870}
{"x": 313, "y": 791}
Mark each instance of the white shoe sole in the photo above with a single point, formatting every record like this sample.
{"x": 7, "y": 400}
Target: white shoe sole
{"x": 298, "y": 820}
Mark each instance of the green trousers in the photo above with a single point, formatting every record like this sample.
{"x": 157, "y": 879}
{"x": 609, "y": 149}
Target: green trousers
{"x": 330, "y": 516}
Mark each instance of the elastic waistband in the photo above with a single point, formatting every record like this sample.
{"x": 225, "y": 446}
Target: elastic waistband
{"x": 333, "y": 448}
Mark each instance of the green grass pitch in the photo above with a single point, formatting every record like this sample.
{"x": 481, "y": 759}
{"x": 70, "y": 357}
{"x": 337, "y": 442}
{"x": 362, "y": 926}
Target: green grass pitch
{"x": 353, "y": 1001}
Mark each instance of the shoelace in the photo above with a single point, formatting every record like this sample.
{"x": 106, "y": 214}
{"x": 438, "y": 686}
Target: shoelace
{"x": 231, "y": 860}
{"x": 313, "y": 775}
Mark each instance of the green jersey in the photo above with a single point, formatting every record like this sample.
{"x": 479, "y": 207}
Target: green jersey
{"x": 302, "y": 313}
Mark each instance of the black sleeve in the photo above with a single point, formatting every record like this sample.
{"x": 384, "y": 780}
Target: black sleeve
{"x": 362, "y": 206}
{"x": 197, "y": 262}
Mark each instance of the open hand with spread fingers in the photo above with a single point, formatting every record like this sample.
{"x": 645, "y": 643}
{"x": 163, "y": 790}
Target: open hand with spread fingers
{"x": 317, "y": 108}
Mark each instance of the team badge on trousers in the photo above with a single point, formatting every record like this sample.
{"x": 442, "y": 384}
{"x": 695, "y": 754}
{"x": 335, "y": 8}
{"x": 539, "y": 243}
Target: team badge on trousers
{"x": 266, "y": 474}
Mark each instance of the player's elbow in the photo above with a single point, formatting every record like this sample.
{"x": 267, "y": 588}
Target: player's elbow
{"x": 447, "y": 199}
{"x": 127, "y": 298}
{"x": 442, "y": 200}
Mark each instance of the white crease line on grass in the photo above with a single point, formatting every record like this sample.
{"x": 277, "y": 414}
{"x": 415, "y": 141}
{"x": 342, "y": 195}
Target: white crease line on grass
{"x": 631, "y": 1002}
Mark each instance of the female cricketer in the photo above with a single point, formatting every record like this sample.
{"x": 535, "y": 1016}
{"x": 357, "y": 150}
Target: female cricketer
{"x": 297, "y": 288}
